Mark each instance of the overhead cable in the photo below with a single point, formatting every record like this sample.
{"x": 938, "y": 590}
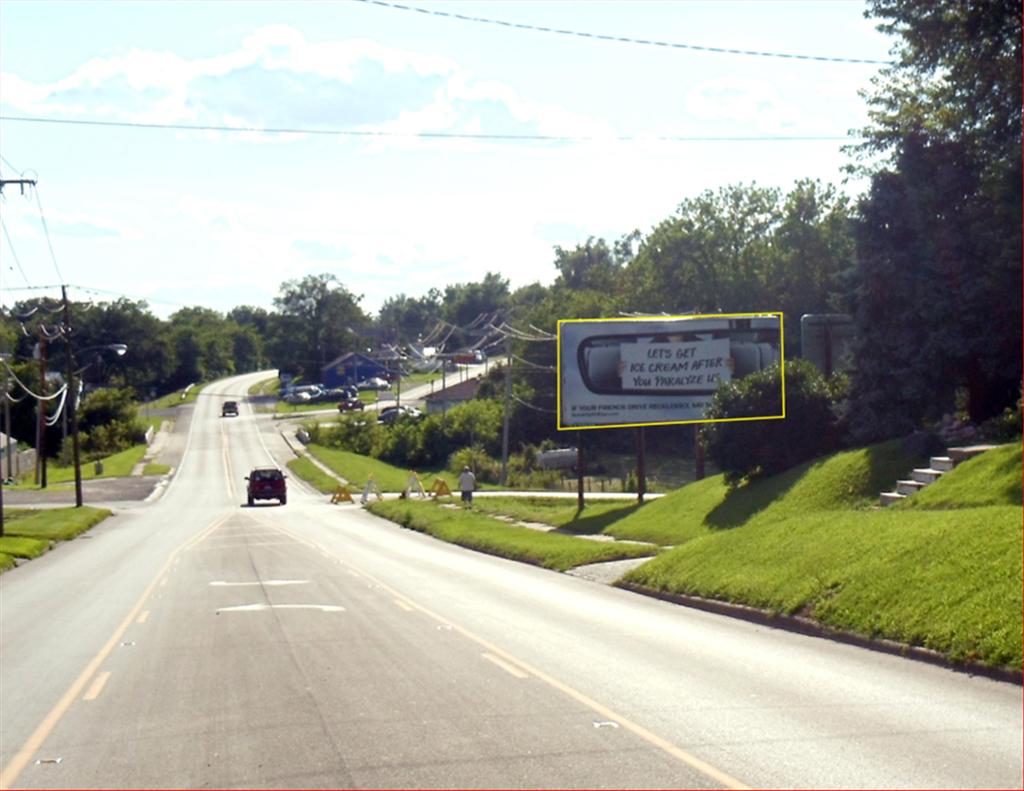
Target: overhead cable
{"x": 10, "y": 244}
{"x": 622, "y": 39}
{"x": 380, "y": 133}
{"x": 46, "y": 233}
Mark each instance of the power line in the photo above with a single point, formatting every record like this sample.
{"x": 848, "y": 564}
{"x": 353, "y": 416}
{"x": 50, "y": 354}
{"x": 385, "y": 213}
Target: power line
{"x": 621, "y": 39}
{"x": 377, "y": 133}
{"x": 10, "y": 243}
{"x": 46, "y": 233}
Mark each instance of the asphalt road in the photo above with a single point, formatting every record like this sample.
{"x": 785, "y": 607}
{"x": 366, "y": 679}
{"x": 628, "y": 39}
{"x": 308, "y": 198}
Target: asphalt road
{"x": 195, "y": 642}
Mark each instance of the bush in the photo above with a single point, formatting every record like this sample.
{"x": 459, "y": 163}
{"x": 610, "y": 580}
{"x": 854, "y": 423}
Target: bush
{"x": 485, "y": 468}
{"x": 749, "y": 448}
{"x": 109, "y": 422}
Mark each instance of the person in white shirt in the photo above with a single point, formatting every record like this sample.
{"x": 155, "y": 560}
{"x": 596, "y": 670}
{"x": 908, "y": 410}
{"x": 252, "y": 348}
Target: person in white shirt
{"x": 467, "y": 483}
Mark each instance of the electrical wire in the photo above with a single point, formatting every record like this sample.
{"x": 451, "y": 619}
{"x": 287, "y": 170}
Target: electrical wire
{"x": 46, "y": 232}
{"x": 378, "y": 133}
{"x": 621, "y": 39}
{"x": 520, "y": 401}
{"x": 27, "y": 389}
{"x": 52, "y": 421}
{"x": 10, "y": 244}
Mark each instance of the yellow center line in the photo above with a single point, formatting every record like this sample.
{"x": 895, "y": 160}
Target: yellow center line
{"x": 97, "y": 686}
{"x": 35, "y": 741}
{"x": 229, "y": 471}
{"x": 143, "y": 617}
{"x": 706, "y": 769}
{"x": 506, "y": 666}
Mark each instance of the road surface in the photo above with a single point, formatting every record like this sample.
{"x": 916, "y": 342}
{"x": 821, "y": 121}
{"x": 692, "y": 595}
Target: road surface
{"x": 194, "y": 642}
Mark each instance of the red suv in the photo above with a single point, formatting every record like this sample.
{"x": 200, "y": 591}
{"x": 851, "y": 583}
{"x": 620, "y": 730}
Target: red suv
{"x": 267, "y": 483}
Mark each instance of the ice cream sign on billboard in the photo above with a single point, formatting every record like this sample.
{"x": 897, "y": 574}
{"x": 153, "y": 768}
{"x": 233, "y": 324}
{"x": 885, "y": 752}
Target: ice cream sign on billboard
{"x": 692, "y": 366}
{"x": 657, "y": 370}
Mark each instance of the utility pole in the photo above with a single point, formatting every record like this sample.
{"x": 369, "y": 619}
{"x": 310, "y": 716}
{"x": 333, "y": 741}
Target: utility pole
{"x": 71, "y": 397}
{"x": 7, "y": 426}
{"x": 508, "y": 406}
{"x": 20, "y": 182}
{"x": 41, "y": 407}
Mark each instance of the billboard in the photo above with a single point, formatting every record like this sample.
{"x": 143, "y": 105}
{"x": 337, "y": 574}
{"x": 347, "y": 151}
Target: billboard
{"x": 658, "y": 370}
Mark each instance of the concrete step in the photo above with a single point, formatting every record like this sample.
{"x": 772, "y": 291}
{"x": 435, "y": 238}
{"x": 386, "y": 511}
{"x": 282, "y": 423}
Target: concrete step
{"x": 966, "y": 452}
{"x": 888, "y": 498}
{"x": 926, "y": 475}
{"x": 944, "y": 463}
{"x": 909, "y": 487}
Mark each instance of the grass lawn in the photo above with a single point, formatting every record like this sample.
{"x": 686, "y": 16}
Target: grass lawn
{"x": 472, "y": 529}
{"x": 558, "y": 512}
{"x": 357, "y": 469}
{"x": 306, "y": 470}
{"x": 117, "y": 466}
{"x": 29, "y": 533}
{"x": 993, "y": 478}
{"x": 810, "y": 541}
{"x": 177, "y": 398}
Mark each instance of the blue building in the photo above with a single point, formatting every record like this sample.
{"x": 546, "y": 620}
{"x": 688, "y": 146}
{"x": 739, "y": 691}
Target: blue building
{"x": 350, "y": 368}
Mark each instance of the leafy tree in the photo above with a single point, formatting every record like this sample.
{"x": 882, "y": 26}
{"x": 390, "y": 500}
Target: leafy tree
{"x": 109, "y": 422}
{"x": 711, "y": 256}
{"x": 319, "y": 319}
{"x": 465, "y": 302}
{"x": 204, "y": 346}
{"x": 590, "y": 266}
{"x": 938, "y": 280}
{"x": 749, "y": 448}
{"x": 406, "y": 319}
{"x": 150, "y": 360}
{"x": 811, "y": 253}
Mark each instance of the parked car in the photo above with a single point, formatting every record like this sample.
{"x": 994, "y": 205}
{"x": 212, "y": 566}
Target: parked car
{"x": 350, "y": 404}
{"x": 332, "y": 393}
{"x": 373, "y": 383}
{"x": 298, "y": 398}
{"x": 266, "y": 483}
{"x": 389, "y": 414}
{"x": 229, "y": 408}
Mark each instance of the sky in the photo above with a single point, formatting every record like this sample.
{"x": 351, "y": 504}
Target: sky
{"x": 421, "y": 150}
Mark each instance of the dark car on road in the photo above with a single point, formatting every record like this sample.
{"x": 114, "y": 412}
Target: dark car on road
{"x": 350, "y": 404}
{"x": 267, "y": 483}
{"x": 389, "y": 414}
{"x": 229, "y": 408}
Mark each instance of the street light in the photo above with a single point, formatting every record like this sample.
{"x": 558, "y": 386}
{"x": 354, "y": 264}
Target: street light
{"x": 119, "y": 349}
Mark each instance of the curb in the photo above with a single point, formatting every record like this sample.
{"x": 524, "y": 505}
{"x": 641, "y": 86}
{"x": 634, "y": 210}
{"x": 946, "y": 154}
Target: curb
{"x": 812, "y": 628}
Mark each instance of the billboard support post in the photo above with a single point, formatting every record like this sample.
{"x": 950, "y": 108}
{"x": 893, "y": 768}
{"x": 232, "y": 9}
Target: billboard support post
{"x": 581, "y": 470}
{"x": 641, "y": 473}
{"x": 698, "y": 455}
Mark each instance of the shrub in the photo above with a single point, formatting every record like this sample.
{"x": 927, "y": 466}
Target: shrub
{"x": 356, "y": 433}
{"x": 109, "y": 423}
{"x": 749, "y": 448}
{"x": 486, "y": 469}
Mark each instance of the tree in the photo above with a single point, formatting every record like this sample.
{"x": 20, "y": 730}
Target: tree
{"x": 465, "y": 302}
{"x": 745, "y": 449}
{"x": 938, "y": 279}
{"x": 204, "y": 346}
{"x": 405, "y": 319}
{"x": 320, "y": 319}
{"x": 711, "y": 256}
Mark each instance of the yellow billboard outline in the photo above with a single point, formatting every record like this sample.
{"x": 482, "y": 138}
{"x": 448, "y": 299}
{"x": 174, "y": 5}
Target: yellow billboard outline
{"x": 757, "y": 314}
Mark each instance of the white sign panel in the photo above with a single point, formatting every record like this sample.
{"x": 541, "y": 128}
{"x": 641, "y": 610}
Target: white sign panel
{"x": 629, "y": 372}
{"x": 664, "y": 367}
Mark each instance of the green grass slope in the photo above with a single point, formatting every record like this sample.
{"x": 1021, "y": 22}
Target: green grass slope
{"x": 992, "y": 478}
{"x": 809, "y": 541}
{"x": 475, "y": 530}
